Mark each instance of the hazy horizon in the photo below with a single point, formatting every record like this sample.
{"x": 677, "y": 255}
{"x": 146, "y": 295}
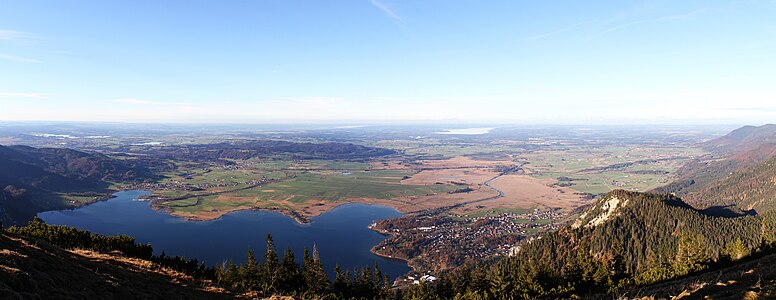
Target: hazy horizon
{"x": 380, "y": 61}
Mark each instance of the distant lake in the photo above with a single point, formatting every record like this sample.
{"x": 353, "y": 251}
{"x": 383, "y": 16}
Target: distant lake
{"x": 341, "y": 234}
{"x": 477, "y": 130}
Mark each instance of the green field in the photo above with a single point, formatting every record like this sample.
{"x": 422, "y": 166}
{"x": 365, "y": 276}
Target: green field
{"x": 571, "y": 163}
{"x": 383, "y": 184}
{"x": 435, "y": 147}
{"x": 334, "y": 186}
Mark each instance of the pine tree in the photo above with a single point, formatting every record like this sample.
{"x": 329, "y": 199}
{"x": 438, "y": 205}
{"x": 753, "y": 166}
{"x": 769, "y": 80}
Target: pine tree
{"x": 249, "y": 273}
{"x": 736, "y": 249}
{"x": 290, "y": 274}
{"x": 316, "y": 280}
{"x": 271, "y": 270}
{"x": 340, "y": 282}
{"x": 691, "y": 254}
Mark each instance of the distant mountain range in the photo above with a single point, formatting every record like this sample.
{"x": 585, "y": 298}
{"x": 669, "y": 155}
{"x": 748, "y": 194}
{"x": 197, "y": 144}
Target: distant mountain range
{"x": 747, "y": 139}
{"x": 738, "y": 176}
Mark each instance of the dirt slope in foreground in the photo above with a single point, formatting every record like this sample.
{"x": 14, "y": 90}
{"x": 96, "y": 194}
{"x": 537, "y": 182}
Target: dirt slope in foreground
{"x": 31, "y": 269}
{"x": 754, "y": 279}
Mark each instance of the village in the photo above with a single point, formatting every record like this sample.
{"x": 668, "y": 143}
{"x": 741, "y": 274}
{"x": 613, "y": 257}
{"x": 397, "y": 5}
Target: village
{"x": 435, "y": 243}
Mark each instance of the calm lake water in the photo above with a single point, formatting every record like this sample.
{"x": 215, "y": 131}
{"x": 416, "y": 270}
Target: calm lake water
{"x": 341, "y": 234}
{"x": 467, "y": 131}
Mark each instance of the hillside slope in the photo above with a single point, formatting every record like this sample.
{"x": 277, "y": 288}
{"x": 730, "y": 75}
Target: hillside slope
{"x": 737, "y": 177}
{"x": 33, "y": 179}
{"x": 744, "y": 139}
{"x": 33, "y": 269}
{"x": 750, "y": 189}
{"x": 752, "y": 279}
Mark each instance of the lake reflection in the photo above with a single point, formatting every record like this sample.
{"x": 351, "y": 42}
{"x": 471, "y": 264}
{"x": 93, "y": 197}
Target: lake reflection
{"x": 341, "y": 235}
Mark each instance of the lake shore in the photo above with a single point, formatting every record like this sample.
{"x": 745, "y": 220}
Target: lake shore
{"x": 375, "y": 251}
{"x": 342, "y": 235}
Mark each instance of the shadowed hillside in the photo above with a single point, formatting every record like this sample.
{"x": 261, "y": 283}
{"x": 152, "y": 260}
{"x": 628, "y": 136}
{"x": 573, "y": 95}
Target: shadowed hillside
{"x": 34, "y": 179}
{"x": 736, "y": 178}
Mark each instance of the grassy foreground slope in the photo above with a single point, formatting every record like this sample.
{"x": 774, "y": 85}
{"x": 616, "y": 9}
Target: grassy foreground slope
{"x": 34, "y": 269}
{"x": 752, "y": 279}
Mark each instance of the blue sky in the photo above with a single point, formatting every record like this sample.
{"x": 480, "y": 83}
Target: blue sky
{"x": 389, "y": 60}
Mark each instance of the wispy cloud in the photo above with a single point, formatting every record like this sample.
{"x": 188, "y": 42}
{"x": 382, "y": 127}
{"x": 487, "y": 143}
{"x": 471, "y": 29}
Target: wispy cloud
{"x": 7, "y": 95}
{"x": 134, "y": 101}
{"x": 387, "y": 10}
{"x": 551, "y": 33}
{"x": 8, "y": 35}
{"x": 677, "y": 17}
{"x": 19, "y": 58}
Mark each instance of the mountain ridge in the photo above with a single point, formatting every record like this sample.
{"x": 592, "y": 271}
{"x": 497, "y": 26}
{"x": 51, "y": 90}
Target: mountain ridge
{"x": 736, "y": 177}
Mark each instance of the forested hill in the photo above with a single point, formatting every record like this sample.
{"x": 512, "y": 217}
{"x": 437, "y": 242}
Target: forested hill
{"x": 626, "y": 239}
{"x": 32, "y": 179}
{"x": 63, "y": 169}
{"x": 749, "y": 190}
{"x": 737, "y": 177}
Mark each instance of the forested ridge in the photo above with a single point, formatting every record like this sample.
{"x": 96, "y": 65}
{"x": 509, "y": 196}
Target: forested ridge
{"x": 34, "y": 179}
{"x": 750, "y": 189}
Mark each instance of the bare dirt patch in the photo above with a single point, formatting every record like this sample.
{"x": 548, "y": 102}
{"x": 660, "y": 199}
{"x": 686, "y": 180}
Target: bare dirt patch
{"x": 466, "y": 176}
{"x": 464, "y": 162}
{"x": 523, "y": 191}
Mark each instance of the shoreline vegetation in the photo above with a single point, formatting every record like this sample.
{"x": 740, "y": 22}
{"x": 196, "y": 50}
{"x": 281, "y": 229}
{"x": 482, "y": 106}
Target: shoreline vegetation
{"x": 388, "y": 235}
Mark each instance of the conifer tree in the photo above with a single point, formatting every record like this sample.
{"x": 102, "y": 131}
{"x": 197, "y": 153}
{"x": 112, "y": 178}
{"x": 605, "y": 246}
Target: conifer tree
{"x": 271, "y": 271}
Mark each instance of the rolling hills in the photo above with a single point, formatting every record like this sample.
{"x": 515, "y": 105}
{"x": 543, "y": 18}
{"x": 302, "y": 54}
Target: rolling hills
{"x": 35, "y": 179}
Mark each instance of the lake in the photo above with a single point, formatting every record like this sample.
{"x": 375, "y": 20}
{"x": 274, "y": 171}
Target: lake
{"x": 341, "y": 235}
{"x": 467, "y": 131}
